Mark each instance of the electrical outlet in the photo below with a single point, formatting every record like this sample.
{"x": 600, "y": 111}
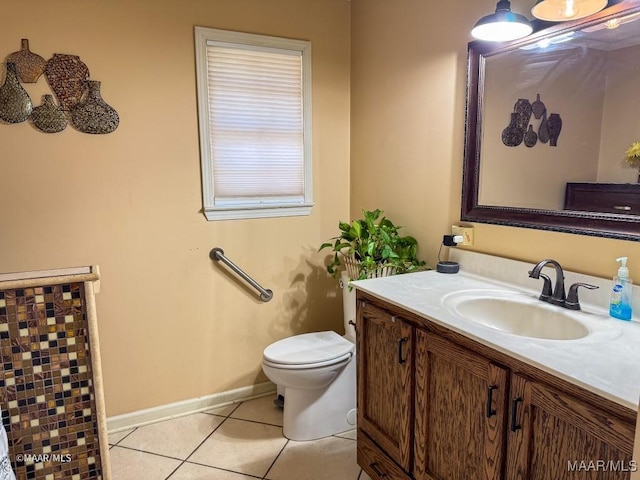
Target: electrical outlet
{"x": 466, "y": 232}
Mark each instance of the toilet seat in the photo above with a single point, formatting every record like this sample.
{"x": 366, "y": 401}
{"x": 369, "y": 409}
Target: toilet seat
{"x": 309, "y": 350}
{"x": 303, "y": 366}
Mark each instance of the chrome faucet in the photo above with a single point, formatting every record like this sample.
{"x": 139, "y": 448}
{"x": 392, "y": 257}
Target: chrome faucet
{"x": 556, "y": 296}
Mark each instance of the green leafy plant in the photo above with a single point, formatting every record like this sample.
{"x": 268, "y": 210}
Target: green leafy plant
{"x": 372, "y": 246}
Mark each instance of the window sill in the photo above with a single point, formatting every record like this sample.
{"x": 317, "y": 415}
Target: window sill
{"x": 238, "y": 213}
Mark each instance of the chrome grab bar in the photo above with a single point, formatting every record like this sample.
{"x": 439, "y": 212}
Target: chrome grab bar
{"x": 218, "y": 255}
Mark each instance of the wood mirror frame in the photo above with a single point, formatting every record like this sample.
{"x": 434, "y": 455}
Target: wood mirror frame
{"x": 610, "y": 225}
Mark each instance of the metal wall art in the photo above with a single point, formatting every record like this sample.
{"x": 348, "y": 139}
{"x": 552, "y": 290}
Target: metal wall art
{"x": 79, "y": 99}
{"x": 28, "y": 64}
{"x": 92, "y": 114}
{"x": 15, "y": 104}
{"x": 66, "y": 75}
{"x": 519, "y": 128}
{"x": 48, "y": 117}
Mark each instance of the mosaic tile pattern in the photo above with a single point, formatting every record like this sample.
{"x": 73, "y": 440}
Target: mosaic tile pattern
{"x": 46, "y": 390}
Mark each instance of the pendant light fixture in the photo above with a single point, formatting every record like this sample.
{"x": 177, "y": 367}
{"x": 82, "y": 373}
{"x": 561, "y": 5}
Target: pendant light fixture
{"x": 503, "y": 25}
{"x": 563, "y": 10}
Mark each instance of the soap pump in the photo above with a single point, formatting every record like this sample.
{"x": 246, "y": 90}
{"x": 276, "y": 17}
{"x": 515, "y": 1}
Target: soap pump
{"x": 621, "y": 294}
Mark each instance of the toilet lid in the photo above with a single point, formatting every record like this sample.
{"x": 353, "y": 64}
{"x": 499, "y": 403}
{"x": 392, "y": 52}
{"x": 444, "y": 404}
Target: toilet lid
{"x": 308, "y": 348}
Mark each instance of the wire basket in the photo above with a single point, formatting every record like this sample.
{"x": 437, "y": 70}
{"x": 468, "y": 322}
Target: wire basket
{"x": 353, "y": 269}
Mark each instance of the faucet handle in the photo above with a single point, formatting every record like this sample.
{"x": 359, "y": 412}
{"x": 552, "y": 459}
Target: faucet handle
{"x": 546, "y": 287}
{"x": 572, "y": 302}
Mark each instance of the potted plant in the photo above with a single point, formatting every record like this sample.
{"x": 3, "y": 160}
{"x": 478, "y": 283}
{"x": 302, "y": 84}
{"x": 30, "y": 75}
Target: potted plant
{"x": 372, "y": 247}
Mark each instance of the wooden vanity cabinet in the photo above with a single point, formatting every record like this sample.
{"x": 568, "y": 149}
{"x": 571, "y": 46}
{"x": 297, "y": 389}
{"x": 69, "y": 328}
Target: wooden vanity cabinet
{"x": 554, "y": 435}
{"x": 460, "y": 405}
{"x": 385, "y": 382}
{"x": 433, "y": 405}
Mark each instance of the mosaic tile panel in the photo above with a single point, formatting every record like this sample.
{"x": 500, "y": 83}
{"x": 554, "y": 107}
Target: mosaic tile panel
{"x": 46, "y": 390}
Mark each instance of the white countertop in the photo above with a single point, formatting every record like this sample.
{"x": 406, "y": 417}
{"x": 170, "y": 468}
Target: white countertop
{"x": 606, "y": 362}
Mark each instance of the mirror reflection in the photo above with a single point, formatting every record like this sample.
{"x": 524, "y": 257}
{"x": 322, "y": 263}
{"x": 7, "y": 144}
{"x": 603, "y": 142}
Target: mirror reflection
{"x": 559, "y": 113}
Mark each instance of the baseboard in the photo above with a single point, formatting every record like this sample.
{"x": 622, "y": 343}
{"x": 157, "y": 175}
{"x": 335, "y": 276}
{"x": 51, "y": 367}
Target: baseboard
{"x": 187, "y": 407}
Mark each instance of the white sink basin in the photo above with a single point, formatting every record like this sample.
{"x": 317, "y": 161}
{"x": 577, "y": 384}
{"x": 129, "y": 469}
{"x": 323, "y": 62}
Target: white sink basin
{"x": 517, "y": 314}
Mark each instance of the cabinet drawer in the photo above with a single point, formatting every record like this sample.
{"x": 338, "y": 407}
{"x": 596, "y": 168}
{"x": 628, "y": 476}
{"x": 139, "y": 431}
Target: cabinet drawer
{"x": 376, "y": 463}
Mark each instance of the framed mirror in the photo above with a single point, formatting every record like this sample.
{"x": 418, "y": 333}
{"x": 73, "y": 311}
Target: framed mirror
{"x": 549, "y": 121}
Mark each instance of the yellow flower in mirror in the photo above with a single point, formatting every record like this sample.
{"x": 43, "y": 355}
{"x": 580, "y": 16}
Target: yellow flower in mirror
{"x": 633, "y": 154}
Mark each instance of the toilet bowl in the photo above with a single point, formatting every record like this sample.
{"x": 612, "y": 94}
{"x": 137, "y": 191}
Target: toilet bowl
{"x": 316, "y": 374}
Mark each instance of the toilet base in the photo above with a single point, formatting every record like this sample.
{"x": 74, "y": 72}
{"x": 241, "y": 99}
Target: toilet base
{"x": 308, "y": 416}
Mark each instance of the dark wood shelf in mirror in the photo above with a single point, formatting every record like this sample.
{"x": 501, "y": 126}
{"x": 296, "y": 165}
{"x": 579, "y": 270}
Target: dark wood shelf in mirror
{"x": 525, "y": 187}
{"x": 603, "y": 197}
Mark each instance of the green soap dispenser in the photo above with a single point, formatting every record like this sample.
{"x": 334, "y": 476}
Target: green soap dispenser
{"x": 622, "y": 292}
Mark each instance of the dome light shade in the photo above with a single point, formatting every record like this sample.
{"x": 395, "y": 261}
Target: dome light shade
{"x": 502, "y": 26}
{"x": 563, "y": 10}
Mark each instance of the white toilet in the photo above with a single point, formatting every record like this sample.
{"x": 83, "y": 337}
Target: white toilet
{"x": 316, "y": 374}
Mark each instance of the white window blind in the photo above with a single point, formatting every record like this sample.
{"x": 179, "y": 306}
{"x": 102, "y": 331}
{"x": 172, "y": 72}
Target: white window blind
{"x": 256, "y": 113}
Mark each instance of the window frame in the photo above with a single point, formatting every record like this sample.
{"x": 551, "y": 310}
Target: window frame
{"x": 225, "y": 210}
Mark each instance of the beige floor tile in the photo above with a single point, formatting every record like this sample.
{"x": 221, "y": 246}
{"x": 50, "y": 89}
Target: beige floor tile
{"x": 175, "y": 438}
{"x": 351, "y": 434}
{"x": 114, "y": 438}
{"x": 190, "y": 471}
{"x": 223, "y": 411}
{"x": 133, "y": 465}
{"x": 241, "y": 446}
{"x": 259, "y": 410}
{"x": 364, "y": 476}
{"x": 329, "y": 458}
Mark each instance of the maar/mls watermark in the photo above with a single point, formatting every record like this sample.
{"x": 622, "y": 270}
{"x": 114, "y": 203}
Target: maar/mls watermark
{"x": 602, "y": 466}
{"x": 43, "y": 458}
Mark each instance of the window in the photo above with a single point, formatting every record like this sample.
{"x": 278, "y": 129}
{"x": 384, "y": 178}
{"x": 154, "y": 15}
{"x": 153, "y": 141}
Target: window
{"x": 254, "y": 106}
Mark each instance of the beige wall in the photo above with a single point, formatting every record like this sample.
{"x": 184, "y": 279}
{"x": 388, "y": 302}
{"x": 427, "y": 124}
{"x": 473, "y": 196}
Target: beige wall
{"x": 173, "y": 326}
{"x": 407, "y": 132}
{"x": 620, "y": 124}
{"x": 536, "y": 177}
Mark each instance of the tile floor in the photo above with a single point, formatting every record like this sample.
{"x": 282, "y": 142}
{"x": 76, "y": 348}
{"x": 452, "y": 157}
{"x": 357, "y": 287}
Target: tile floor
{"x": 239, "y": 442}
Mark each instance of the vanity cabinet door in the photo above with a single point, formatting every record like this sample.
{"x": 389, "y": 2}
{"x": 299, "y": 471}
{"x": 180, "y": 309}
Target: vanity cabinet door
{"x": 385, "y": 381}
{"x": 461, "y": 412}
{"x": 552, "y": 435}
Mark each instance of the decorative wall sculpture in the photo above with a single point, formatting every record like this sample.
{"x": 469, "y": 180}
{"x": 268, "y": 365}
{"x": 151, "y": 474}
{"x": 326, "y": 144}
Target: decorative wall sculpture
{"x": 48, "y": 117}
{"x": 66, "y": 75}
{"x": 92, "y": 114}
{"x": 15, "y": 104}
{"x": 519, "y": 128}
{"x": 28, "y": 64}
{"x": 79, "y": 99}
